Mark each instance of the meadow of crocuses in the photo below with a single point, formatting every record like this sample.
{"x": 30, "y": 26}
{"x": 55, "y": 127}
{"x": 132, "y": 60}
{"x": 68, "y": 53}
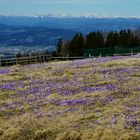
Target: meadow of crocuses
{"x": 89, "y": 99}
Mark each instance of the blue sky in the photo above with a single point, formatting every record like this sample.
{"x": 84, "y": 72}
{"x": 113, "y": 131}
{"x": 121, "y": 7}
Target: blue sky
{"x": 128, "y": 8}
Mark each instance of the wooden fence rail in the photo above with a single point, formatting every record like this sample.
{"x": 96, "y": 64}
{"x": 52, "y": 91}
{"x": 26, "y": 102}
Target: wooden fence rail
{"x": 32, "y": 59}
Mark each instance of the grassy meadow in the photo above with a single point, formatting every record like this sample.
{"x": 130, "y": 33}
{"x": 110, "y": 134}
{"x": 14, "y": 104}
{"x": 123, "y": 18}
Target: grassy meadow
{"x": 89, "y": 99}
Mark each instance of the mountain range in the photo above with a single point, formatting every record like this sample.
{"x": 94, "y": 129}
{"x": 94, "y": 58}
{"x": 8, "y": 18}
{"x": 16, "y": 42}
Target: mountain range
{"x": 82, "y": 24}
{"x": 45, "y": 31}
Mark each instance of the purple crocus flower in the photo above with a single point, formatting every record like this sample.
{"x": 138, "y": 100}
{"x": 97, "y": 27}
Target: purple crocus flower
{"x": 4, "y": 71}
{"x": 8, "y": 86}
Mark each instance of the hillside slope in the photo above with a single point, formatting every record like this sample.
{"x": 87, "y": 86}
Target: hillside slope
{"x": 88, "y": 99}
{"x": 32, "y": 36}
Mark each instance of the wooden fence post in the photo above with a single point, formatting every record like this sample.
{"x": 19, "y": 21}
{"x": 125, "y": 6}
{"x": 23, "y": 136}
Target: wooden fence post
{"x": 89, "y": 55}
{"x": 0, "y": 62}
{"x": 39, "y": 57}
{"x": 16, "y": 59}
{"x": 30, "y": 55}
{"x": 43, "y": 57}
{"x": 131, "y": 52}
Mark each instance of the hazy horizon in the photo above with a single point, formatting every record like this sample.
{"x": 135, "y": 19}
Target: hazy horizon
{"x": 119, "y": 8}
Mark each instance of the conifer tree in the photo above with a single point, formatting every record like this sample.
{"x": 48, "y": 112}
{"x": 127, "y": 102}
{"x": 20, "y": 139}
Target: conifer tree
{"x": 59, "y": 47}
{"x": 76, "y": 45}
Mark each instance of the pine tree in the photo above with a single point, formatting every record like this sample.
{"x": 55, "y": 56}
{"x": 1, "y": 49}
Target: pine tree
{"x": 76, "y": 45}
{"x": 112, "y": 39}
{"x": 59, "y": 47}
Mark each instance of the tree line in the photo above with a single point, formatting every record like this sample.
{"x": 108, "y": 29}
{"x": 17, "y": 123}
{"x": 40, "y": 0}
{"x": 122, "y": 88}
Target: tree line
{"x": 94, "y": 40}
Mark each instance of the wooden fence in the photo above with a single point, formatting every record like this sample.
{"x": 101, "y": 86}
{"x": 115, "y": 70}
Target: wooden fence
{"x": 32, "y": 59}
{"x": 42, "y": 58}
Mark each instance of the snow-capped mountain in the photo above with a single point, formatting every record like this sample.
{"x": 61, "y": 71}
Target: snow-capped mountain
{"x": 81, "y": 23}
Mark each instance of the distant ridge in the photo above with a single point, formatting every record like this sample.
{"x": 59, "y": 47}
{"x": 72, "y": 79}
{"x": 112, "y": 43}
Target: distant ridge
{"x": 84, "y": 23}
{"x": 87, "y": 15}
